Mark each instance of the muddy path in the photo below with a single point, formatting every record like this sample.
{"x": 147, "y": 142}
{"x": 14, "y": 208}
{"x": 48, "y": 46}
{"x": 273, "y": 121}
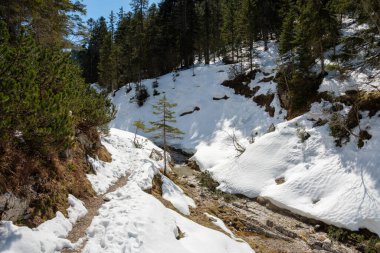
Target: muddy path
{"x": 93, "y": 205}
{"x": 264, "y": 226}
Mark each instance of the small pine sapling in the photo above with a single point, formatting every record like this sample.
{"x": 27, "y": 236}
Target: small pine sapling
{"x": 163, "y": 130}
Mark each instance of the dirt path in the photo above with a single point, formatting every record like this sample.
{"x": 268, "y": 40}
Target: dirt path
{"x": 265, "y": 227}
{"x": 92, "y": 205}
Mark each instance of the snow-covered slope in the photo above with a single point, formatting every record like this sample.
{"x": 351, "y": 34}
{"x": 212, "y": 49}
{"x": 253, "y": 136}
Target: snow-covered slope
{"x": 215, "y": 117}
{"x": 340, "y": 186}
{"x": 135, "y": 222}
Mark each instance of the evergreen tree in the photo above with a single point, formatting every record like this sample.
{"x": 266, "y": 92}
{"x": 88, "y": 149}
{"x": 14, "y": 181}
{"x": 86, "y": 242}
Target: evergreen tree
{"x": 51, "y": 22}
{"x": 230, "y": 25}
{"x": 316, "y": 30}
{"x": 164, "y": 130}
{"x": 42, "y": 97}
{"x": 249, "y": 26}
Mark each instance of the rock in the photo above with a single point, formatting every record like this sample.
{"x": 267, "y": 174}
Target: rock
{"x": 280, "y": 180}
{"x": 106, "y": 198}
{"x": 13, "y": 208}
{"x": 85, "y": 141}
{"x": 316, "y": 245}
{"x": 193, "y": 165}
{"x": 261, "y": 200}
{"x": 192, "y": 185}
{"x": 156, "y": 155}
{"x": 327, "y": 244}
{"x": 271, "y": 129}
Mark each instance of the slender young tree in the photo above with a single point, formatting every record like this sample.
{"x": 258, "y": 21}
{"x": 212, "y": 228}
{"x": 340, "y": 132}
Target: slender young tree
{"x": 139, "y": 125}
{"x": 162, "y": 126}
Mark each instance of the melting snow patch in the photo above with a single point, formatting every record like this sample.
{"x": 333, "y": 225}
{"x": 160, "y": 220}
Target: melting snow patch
{"x": 171, "y": 192}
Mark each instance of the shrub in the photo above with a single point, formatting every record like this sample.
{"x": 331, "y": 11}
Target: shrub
{"x": 141, "y": 95}
{"x": 338, "y": 129}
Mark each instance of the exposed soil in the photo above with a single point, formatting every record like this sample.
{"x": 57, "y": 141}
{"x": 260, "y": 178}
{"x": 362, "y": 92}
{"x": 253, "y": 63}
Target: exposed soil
{"x": 92, "y": 204}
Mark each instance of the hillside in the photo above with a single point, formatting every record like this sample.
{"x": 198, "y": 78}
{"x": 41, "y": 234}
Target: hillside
{"x": 190, "y": 126}
{"x": 297, "y": 166}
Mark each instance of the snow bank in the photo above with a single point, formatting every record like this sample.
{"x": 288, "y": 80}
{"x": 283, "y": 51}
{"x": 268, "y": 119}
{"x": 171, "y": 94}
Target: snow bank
{"x": 134, "y": 221}
{"x": 339, "y": 186}
{"x": 48, "y": 237}
{"x": 171, "y": 192}
{"x": 126, "y": 160}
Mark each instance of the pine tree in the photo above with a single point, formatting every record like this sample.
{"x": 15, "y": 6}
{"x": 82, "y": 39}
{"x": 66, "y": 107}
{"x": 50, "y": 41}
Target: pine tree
{"x": 43, "y": 97}
{"x": 230, "y": 25}
{"x": 51, "y": 22}
{"x": 164, "y": 130}
{"x": 316, "y": 30}
{"x": 248, "y": 23}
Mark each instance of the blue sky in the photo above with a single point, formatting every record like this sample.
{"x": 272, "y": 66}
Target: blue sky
{"x": 97, "y": 8}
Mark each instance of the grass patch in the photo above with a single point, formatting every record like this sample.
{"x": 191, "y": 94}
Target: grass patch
{"x": 362, "y": 240}
{"x": 206, "y": 180}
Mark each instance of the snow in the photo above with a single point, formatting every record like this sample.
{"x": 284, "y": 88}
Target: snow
{"x": 218, "y": 222}
{"x": 337, "y": 185}
{"x": 189, "y": 91}
{"x": 357, "y": 76}
{"x": 126, "y": 160}
{"x": 199, "y": 239}
{"x": 171, "y": 192}
{"x": 47, "y": 237}
{"x": 134, "y": 221}
{"x": 364, "y": 79}
{"x": 340, "y": 186}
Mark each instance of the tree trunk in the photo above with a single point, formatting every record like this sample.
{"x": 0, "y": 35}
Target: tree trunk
{"x": 164, "y": 139}
{"x": 251, "y": 55}
{"x": 322, "y": 57}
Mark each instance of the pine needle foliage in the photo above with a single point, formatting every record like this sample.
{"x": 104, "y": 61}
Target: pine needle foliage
{"x": 43, "y": 99}
{"x": 163, "y": 128}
